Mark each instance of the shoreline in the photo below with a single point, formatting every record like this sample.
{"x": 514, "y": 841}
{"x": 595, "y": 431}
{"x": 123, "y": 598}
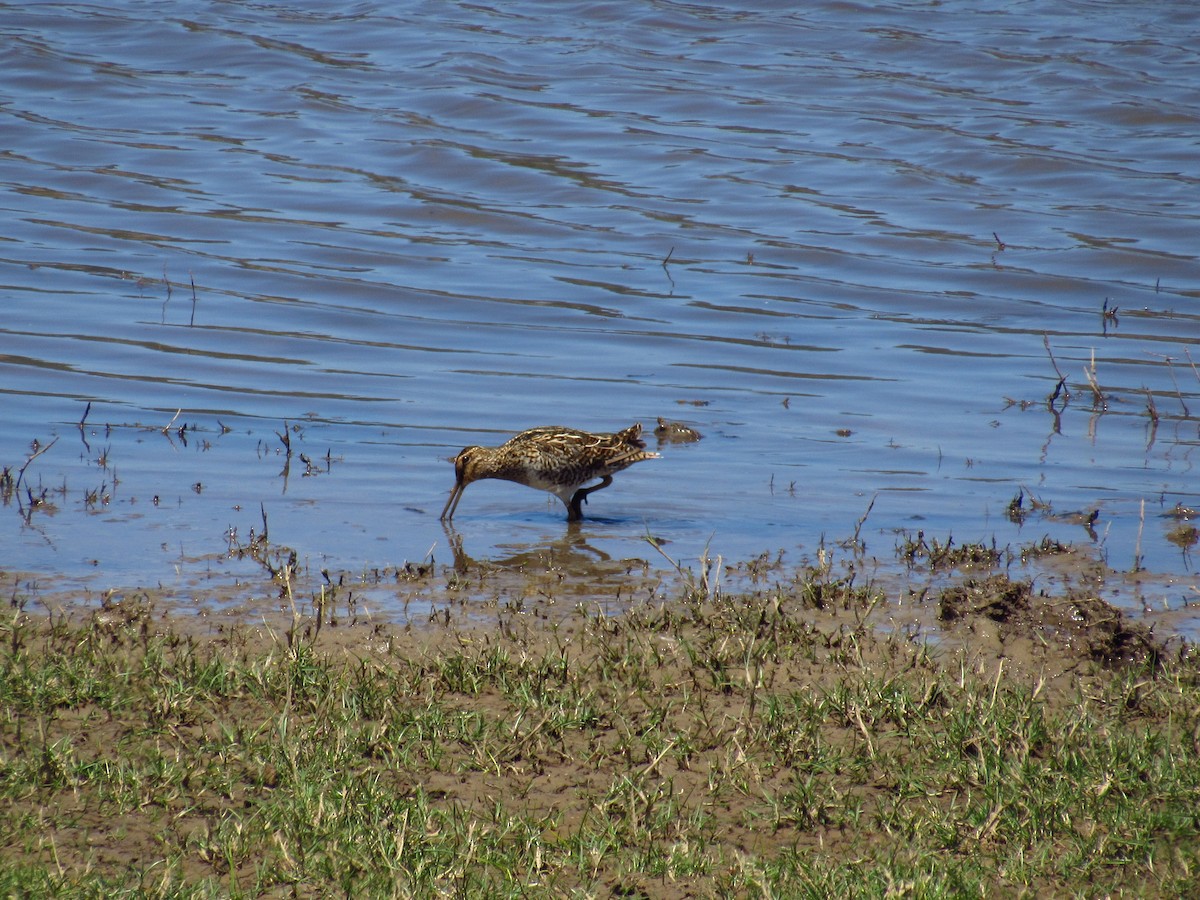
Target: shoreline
{"x": 717, "y": 742}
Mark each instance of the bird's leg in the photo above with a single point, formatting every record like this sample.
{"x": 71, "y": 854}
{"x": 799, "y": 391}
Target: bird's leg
{"x": 575, "y": 507}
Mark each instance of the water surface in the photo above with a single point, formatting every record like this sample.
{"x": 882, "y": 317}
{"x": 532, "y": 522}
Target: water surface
{"x": 855, "y": 246}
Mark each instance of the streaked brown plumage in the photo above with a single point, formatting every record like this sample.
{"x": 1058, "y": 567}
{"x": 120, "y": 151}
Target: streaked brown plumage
{"x": 551, "y": 458}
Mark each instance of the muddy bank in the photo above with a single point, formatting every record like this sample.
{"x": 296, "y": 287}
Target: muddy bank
{"x": 770, "y": 740}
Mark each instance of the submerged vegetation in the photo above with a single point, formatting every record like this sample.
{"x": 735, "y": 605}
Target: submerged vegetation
{"x": 773, "y": 742}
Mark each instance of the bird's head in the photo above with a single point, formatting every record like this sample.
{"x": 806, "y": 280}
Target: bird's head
{"x": 466, "y": 465}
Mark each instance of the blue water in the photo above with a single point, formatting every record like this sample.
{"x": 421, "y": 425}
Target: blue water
{"x": 836, "y": 241}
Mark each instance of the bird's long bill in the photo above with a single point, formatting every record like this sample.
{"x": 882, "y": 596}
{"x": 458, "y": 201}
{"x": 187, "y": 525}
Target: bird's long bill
{"x": 452, "y": 502}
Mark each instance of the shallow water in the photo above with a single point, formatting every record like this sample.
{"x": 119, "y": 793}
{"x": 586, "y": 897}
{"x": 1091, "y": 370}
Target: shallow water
{"x": 839, "y": 242}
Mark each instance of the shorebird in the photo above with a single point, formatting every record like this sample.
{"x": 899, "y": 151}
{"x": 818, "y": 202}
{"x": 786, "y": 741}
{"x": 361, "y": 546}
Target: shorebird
{"x": 675, "y": 432}
{"x": 551, "y": 458}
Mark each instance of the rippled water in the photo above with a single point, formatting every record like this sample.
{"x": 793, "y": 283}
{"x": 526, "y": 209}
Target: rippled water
{"x": 850, "y": 244}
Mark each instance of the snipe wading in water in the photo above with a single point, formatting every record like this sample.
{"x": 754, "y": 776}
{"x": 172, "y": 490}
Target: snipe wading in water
{"x": 551, "y": 458}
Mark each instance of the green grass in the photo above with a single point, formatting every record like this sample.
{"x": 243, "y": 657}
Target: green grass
{"x": 752, "y": 745}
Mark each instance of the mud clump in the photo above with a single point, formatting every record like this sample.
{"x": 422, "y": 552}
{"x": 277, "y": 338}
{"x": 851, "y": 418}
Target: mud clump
{"x": 1079, "y": 625}
{"x": 996, "y": 597}
{"x": 1105, "y": 633}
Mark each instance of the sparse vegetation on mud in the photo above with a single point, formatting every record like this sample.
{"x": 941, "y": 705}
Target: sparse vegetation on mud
{"x": 768, "y": 743}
